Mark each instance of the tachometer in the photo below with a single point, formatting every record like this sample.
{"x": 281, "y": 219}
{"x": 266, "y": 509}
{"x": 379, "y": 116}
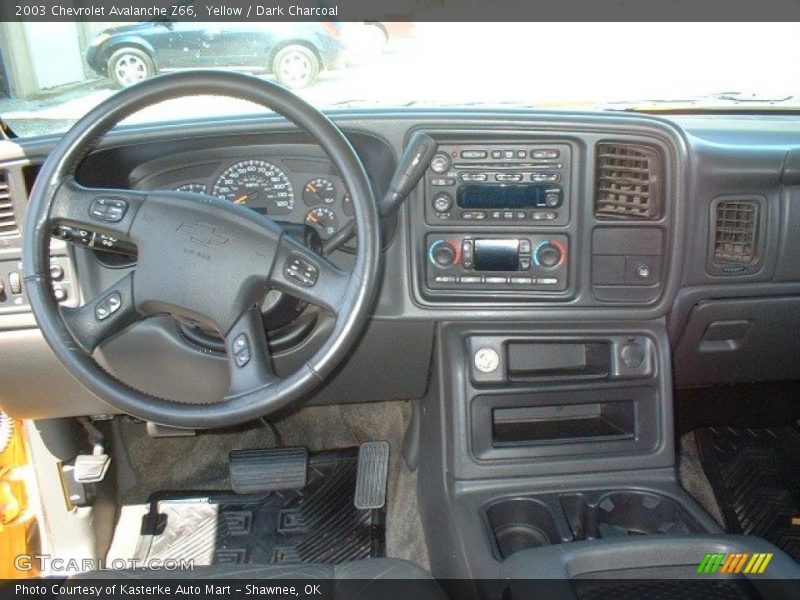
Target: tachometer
{"x": 195, "y": 188}
{"x": 257, "y": 184}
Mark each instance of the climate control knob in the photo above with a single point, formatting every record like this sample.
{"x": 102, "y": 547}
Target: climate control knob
{"x": 442, "y": 253}
{"x": 442, "y": 202}
{"x": 547, "y": 255}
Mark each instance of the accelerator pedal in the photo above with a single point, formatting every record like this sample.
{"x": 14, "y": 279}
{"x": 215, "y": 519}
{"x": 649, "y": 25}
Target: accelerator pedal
{"x": 256, "y": 471}
{"x": 372, "y": 476}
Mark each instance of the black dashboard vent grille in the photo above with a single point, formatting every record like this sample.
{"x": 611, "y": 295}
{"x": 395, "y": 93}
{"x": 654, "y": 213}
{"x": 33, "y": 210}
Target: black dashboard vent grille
{"x": 735, "y": 231}
{"x": 628, "y": 182}
{"x": 8, "y": 220}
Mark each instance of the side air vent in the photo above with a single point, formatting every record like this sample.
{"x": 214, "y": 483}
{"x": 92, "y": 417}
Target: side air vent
{"x": 629, "y": 182}
{"x": 8, "y": 220}
{"x": 735, "y": 232}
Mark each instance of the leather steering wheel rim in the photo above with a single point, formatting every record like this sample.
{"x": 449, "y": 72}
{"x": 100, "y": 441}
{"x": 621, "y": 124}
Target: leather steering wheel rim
{"x": 56, "y": 198}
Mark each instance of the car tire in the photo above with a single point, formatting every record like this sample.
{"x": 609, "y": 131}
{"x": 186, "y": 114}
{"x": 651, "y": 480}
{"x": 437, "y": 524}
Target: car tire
{"x": 296, "y": 66}
{"x": 130, "y": 65}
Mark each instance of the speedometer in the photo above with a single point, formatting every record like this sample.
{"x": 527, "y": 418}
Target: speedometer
{"x": 257, "y": 184}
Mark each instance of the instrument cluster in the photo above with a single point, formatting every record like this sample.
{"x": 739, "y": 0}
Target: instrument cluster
{"x": 297, "y": 190}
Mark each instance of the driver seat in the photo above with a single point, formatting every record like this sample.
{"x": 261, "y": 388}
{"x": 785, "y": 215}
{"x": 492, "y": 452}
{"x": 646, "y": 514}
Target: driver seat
{"x": 376, "y": 578}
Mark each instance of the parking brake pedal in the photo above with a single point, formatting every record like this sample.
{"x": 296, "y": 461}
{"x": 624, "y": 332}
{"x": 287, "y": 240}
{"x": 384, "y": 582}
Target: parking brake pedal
{"x": 372, "y": 476}
{"x": 91, "y": 468}
{"x": 255, "y": 471}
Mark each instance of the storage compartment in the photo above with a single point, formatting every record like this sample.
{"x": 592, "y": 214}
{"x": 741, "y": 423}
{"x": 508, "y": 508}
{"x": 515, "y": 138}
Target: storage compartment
{"x": 576, "y": 422}
{"x": 531, "y": 361}
{"x": 518, "y": 524}
{"x": 564, "y": 423}
{"x": 521, "y": 523}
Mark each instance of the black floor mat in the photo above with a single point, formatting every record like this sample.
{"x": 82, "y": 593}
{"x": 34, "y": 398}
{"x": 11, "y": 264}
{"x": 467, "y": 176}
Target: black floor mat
{"x": 317, "y": 524}
{"x": 755, "y": 474}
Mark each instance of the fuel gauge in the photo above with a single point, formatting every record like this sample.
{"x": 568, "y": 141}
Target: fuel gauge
{"x": 323, "y": 220}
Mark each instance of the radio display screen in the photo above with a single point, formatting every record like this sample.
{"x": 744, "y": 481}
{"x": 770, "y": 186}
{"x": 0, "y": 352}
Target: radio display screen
{"x": 496, "y": 255}
{"x": 501, "y": 196}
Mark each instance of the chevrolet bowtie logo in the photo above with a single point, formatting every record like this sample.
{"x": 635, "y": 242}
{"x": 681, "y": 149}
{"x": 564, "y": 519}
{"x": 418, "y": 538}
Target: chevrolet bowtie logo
{"x": 202, "y": 233}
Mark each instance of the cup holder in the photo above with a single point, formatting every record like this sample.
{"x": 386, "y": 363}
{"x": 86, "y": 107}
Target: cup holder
{"x": 522, "y": 523}
{"x": 625, "y": 513}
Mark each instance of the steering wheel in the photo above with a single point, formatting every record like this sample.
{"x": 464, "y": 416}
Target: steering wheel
{"x": 188, "y": 245}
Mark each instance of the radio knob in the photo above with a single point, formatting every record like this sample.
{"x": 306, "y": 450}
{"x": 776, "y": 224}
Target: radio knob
{"x": 440, "y": 163}
{"x": 443, "y": 254}
{"x": 442, "y": 202}
{"x": 548, "y": 255}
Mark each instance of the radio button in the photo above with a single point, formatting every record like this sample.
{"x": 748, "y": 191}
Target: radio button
{"x": 496, "y": 280}
{"x": 522, "y": 280}
{"x": 547, "y": 280}
{"x": 446, "y": 279}
{"x": 473, "y": 176}
{"x": 550, "y": 216}
{"x": 471, "y": 279}
{"x": 521, "y": 214}
{"x": 508, "y": 177}
{"x": 521, "y": 154}
{"x": 537, "y": 216}
{"x": 473, "y": 154}
{"x": 545, "y": 154}
{"x": 440, "y": 163}
{"x": 508, "y": 154}
{"x": 496, "y": 214}
{"x": 525, "y": 246}
{"x": 474, "y": 215}
{"x": 442, "y": 202}
{"x": 552, "y": 199}
{"x": 508, "y": 215}
{"x": 524, "y": 263}
{"x": 545, "y": 177}
{"x": 443, "y": 181}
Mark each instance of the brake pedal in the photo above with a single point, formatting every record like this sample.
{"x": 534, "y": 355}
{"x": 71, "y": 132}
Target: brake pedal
{"x": 372, "y": 475}
{"x": 91, "y": 468}
{"x": 254, "y": 471}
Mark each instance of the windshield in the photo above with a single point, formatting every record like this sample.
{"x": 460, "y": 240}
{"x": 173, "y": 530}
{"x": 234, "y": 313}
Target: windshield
{"x": 53, "y": 73}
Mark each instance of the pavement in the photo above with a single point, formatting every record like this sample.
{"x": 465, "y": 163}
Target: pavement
{"x": 541, "y": 64}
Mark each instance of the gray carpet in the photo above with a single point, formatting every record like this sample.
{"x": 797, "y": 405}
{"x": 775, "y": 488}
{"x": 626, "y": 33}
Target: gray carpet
{"x": 693, "y": 477}
{"x": 145, "y": 465}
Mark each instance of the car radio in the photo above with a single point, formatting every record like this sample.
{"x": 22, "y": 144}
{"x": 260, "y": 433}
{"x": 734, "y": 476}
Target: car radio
{"x": 501, "y": 184}
{"x": 529, "y": 262}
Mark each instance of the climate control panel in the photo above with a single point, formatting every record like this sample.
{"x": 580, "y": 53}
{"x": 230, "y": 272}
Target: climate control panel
{"x": 497, "y": 262}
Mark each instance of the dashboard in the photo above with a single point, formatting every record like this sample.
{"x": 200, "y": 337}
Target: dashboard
{"x": 544, "y": 220}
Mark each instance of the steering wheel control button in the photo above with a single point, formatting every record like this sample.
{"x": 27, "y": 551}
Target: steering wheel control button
{"x": 15, "y": 283}
{"x": 60, "y": 294}
{"x": 241, "y": 350}
{"x": 300, "y": 270}
{"x": 110, "y": 209}
{"x": 107, "y": 306}
{"x": 486, "y": 360}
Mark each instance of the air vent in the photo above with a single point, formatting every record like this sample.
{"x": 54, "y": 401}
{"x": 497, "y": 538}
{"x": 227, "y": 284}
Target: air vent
{"x": 735, "y": 229}
{"x": 628, "y": 182}
{"x": 8, "y": 221}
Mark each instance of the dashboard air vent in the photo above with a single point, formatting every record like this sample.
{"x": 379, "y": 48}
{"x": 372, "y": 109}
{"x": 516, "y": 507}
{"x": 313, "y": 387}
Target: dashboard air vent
{"x": 736, "y": 224}
{"x": 628, "y": 182}
{"x": 8, "y": 220}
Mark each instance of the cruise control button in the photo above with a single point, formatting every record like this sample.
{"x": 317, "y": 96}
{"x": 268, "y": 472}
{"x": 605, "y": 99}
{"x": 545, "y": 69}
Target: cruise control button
{"x": 108, "y": 208}
{"x": 107, "y": 306}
